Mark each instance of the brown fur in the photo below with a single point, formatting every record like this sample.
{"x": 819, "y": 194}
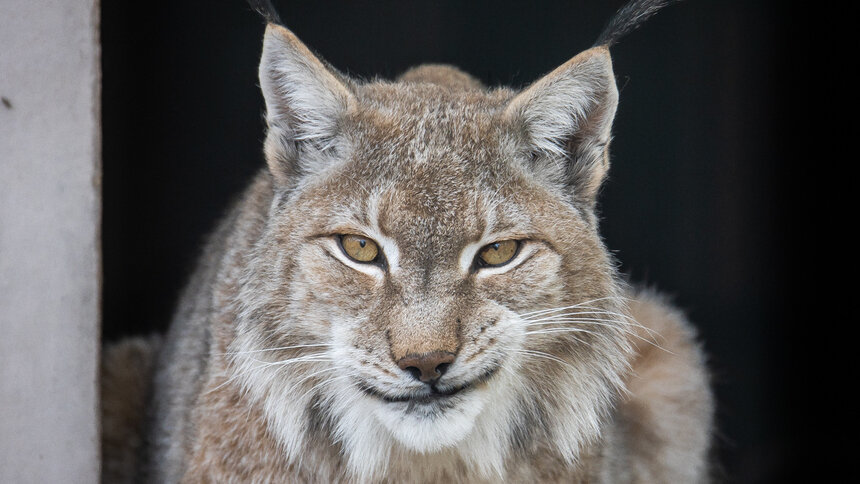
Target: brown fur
{"x": 442, "y": 75}
{"x": 126, "y": 380}
{"x": 285, "y": 361}
{"x": 664, "y": 395}
{"x": 127, "y": 365}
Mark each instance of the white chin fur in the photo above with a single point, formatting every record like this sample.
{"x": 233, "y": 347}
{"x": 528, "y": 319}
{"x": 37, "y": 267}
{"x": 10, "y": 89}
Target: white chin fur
{"x": 433, "y": 427}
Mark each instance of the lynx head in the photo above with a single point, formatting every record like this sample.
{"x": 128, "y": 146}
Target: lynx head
{"x": 431, "y": 282}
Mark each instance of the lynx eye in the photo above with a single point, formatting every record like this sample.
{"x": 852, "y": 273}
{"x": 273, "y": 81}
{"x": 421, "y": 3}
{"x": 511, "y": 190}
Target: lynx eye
{"x": 359, "y": 249}
{"x": 498, "y": 253}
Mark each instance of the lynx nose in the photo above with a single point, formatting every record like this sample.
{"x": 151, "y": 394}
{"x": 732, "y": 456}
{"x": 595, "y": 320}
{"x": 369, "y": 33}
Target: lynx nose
{"x": 427, "y": 367}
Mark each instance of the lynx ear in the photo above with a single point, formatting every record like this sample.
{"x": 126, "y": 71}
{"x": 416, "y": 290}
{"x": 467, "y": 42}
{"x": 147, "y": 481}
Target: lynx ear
{"x": 567, "y": 118}
{"x": 305, "y": 102}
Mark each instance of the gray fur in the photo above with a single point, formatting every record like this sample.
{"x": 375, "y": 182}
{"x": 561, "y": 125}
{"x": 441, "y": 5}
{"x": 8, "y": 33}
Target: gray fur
{"x": 281, "y": 363}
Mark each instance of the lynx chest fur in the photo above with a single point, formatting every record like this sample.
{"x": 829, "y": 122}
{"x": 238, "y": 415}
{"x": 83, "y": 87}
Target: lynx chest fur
{"x": 414, "y": 289}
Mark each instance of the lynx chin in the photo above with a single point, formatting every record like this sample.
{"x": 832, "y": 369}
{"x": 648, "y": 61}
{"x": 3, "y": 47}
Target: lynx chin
{"x": 414, "y": 290}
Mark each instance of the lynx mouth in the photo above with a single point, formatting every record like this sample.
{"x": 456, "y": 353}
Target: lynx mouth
{"x": 434, "y": 396}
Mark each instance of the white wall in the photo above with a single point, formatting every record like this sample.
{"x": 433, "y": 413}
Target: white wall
{"x": 49, "y": 240}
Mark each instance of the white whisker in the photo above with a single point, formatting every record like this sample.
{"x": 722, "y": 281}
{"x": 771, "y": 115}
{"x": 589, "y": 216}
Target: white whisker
{"x": 563, "y": 308}
{"x": 233, "y": 353}
{"x": 625, "y": 320}
{"x": 541, "y": 354}
{"x": 592, "y": 322}
{"x": 259, "y": 364}
{"x": 299, "y": 359}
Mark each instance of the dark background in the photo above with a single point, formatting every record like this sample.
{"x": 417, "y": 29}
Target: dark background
{"x": 696, "y": 204}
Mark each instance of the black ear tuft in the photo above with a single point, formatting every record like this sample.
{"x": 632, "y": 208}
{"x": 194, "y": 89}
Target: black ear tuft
{"x": 266, "y": 10}
{"x": 628, "y": 19}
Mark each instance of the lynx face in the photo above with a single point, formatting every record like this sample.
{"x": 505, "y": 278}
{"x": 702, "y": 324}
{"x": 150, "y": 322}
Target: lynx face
{"x": 431, "y": 280}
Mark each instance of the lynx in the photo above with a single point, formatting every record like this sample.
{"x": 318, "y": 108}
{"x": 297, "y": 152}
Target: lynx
{"x": 414, "y": 289}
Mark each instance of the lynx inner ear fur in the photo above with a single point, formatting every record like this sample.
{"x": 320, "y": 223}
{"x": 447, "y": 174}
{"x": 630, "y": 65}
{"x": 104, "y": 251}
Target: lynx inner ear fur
{"x": 567, "y": 118}
{"x": 305, "y": 101}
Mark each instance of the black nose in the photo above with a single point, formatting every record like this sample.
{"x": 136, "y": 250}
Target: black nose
{"x": 427, "y": 367}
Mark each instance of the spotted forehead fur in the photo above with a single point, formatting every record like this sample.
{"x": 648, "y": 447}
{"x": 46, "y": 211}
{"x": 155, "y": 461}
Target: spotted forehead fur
{"x": 429, "y": 158}
{"x": 420, "y": 130}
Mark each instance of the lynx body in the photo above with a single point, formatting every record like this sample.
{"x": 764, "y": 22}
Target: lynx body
{"x": 415, "y": 290}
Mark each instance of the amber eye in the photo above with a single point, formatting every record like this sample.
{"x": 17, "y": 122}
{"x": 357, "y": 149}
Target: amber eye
{"x": 358, "y": 248}
{"x": 498, "y": 253}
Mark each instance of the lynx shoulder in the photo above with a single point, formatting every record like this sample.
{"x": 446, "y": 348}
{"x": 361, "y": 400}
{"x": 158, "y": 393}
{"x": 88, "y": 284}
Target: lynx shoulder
{"x": 414, "y": 289}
